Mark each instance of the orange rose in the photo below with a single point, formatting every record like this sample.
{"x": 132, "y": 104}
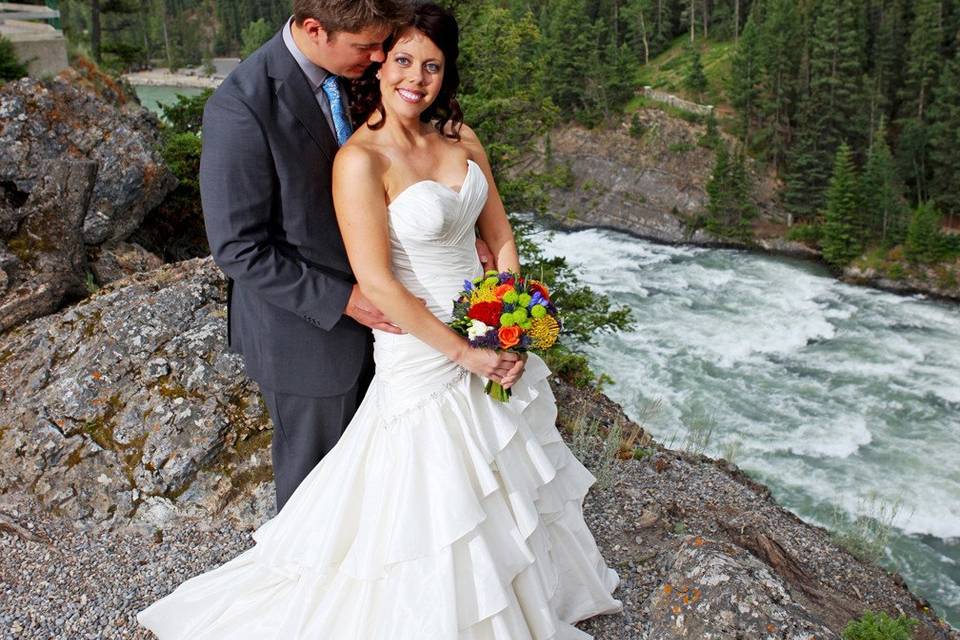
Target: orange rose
{"x": 501, "y": 290}
{"x": 509, "y": 336}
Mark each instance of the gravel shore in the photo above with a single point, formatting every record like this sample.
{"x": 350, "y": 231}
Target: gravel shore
{"x": 77, "y": 585}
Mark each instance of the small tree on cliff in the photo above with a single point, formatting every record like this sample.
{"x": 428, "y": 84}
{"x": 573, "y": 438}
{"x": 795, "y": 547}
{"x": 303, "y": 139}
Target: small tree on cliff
{"x": 696, "y": 79}
{"x": 842, "y": 229}
{"x": 925, "y": 242}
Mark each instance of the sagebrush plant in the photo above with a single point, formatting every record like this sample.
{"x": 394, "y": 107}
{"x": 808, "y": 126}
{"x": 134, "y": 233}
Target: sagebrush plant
{"x": 594, "y": 448}
{"x": 879, "y": 626}
{"x": 867, "y": 535}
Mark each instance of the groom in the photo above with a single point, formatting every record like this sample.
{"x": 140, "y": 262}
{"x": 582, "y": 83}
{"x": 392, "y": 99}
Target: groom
{"x": 270, "y": 133}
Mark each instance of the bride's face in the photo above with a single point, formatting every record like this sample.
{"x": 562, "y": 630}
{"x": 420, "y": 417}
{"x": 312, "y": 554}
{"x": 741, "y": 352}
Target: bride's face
{"x": 411, "y": 75}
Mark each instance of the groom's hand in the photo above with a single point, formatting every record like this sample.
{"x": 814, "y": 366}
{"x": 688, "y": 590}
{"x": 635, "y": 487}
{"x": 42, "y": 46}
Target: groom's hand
{"x": 485, "y": 255}
{"x": 363, "y": 311}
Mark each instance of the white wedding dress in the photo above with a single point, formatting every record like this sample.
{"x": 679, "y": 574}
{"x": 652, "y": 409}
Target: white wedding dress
{"x": 441, "y": 514}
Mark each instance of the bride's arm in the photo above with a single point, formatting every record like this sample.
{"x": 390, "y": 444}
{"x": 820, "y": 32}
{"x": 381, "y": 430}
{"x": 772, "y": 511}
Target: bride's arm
{"x": 493, "y": 225}
{"x": 358, "y": 196}
{"x": 495, "y": 229}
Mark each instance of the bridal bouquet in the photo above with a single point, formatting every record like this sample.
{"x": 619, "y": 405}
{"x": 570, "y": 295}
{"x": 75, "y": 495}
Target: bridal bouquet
{"x": 505, "y": 311}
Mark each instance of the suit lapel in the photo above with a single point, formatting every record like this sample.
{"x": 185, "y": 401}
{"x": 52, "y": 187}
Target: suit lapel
{"x": 294, "y": 91}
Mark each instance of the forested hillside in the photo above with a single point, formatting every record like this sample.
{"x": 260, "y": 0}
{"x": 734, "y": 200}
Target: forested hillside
{"x": 852, "y": 105}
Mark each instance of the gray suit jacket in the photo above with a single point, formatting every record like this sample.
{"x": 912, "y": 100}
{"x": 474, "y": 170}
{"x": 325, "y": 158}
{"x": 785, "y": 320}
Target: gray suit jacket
{"x": 265, "y": 175}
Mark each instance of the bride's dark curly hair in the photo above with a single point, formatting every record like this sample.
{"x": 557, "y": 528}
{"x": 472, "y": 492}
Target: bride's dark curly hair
{"x": 440, "y": 26}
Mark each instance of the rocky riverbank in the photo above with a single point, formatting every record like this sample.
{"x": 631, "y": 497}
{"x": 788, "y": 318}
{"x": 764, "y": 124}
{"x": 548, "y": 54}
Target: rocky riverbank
{"x": 126, "y": 431}
{"x": 653, "y": 186}
{"x": 167, "y": 78}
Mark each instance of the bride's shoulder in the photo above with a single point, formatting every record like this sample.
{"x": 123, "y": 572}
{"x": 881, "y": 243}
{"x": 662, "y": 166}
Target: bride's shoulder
{"x": 467, "y": 137}
{"x": 359, "y": 159}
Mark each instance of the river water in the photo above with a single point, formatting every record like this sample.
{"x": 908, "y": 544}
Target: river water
{"x": 844, "y": 400}
{"x": 152, "y": 97}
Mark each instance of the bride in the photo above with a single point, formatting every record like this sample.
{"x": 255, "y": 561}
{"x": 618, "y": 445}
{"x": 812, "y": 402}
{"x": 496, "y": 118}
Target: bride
{"x": 441, "y": 514}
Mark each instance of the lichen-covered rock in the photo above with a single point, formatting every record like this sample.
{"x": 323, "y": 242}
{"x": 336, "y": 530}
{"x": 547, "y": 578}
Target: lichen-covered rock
{"x": 42, "y": 120}
{"x": 717, "y": 590}
{"x": 126, "y": 400}
{"x": 121, "y": 260}
{"x": 44, "y": 262}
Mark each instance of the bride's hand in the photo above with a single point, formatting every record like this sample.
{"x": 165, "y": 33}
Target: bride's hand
{"x": 487, "y": 363}
{"x": 515, "y": 372}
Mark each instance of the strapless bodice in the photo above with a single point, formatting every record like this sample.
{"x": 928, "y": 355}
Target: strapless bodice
{"x": 433, "y": 250}
{"x": 432, "y": 238}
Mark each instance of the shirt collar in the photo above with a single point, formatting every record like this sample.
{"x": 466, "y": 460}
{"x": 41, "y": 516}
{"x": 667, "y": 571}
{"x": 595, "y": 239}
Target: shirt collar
{"x": 316, "y": 75}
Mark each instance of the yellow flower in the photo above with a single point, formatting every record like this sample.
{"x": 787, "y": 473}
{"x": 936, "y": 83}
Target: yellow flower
{"x": 544, "y": 332}
{"x": 483, "y": 294}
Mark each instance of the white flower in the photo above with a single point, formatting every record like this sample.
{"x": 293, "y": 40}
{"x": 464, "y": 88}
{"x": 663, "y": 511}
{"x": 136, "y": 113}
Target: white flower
{"x": 477, "y": 329}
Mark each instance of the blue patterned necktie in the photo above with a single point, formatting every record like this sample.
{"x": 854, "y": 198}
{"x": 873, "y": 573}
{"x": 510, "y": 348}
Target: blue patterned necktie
{"x": 341, "y": 123}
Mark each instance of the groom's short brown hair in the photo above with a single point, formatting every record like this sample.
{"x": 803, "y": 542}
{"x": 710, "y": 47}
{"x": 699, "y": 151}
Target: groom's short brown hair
{"x": 350, "y": 16}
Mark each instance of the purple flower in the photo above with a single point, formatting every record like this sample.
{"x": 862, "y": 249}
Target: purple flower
{"x": 467, "y": 286}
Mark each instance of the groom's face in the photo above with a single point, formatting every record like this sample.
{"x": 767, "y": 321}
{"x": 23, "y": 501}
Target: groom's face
{"x": 345, "y": 54}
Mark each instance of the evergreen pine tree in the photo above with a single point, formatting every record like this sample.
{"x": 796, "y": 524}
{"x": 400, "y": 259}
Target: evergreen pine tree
{"x": 837, "y": 65}
{"x": 807, "y": 170}
{"x": 944, "y": 115}
{"x": 695, "y": 79}
{"x": 745, "y": 80}
{"x": 925, "y": 242}
{"x": 780, "y": 57}
{"x": 744, "y": 210}
{"x": 883, "y": 207}
{"x": 719, "y": 192}
{"x": 889, "y": 40}
{"x": 569, "y": 45}
{"x": 840, "y": 239}
{"x": 922, "y": 67}
{"x": 923, "y": 57}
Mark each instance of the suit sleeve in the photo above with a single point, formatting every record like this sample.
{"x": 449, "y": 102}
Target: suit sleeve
{"x": 237, "y": 185}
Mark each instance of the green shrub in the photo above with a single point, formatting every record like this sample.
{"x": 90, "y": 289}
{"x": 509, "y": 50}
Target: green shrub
{"x": 181, "y": 152}
{"x": 879, "y": 626}
{"x": 680, "y": 147}
{"x": 10, "y": 66}
{"x": 254, "y": 36}
{"x": 896, "y": 271}
{"x": 186, "y": 114}
{"x": 636, "y": 127}
{"x": 805, "y": 233}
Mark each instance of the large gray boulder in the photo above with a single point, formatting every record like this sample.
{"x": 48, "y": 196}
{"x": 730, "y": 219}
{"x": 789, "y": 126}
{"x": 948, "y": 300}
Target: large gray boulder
{"x": 55, "y": 119}
{"x": 78, "y": 175}
{"x": 128, "y": 407}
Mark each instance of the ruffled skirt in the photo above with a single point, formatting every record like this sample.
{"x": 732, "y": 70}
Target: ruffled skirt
{"x": 446, "y": 517}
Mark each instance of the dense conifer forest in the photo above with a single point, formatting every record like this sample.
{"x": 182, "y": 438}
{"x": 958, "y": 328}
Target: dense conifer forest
{"x": 852, "y": 106}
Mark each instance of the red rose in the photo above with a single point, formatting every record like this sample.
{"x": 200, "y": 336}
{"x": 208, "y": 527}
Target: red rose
{"x": 509, "y": 336}
{"x": 486, "y": 312}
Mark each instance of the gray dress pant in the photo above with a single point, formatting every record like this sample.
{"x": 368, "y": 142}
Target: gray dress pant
{"x": 306, "y": 429}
